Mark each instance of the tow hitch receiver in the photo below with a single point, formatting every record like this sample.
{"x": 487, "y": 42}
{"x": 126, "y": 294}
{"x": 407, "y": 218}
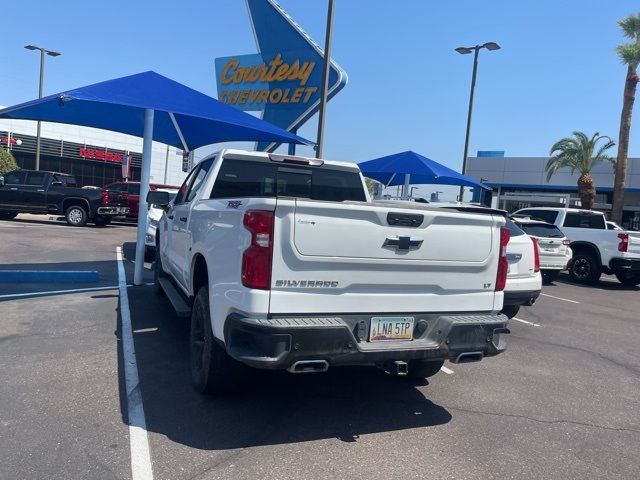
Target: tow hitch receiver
{"x": 396, "y": 367}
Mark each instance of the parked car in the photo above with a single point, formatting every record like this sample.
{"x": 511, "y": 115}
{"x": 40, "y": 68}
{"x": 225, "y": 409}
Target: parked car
{"x": 154, "y": 215}
{"x": 132, "y": 189}
{"x": 596, "y": 249}
{"x": 524, "y": 281}
{"x": 553, "y": 246}
{"x": 31, "y": 191}
{"x": 284, "y": 263}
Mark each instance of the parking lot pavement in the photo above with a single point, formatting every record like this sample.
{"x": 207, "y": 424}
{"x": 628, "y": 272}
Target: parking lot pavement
{"x": 562, "y": 402}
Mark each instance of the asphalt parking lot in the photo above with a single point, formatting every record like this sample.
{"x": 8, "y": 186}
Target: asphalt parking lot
{"x": 562, "y": 402}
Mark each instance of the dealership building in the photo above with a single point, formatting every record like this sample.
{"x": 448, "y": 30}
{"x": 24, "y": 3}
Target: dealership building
{"x": 520, "y": 182}
{"x": 95, "y": 157}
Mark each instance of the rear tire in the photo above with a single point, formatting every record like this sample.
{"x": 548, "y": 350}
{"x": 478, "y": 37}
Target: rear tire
{"x": 550, "y": 276}
{"x": 628, "y": 279}
{"x": 584, "y": 268}
{"x": 212, "y": 370}
{"x": 76, "y": 216}
{"x": 510, "y": 310}
{"x": 423, "y": 368}
{"x": 8, "y": 215}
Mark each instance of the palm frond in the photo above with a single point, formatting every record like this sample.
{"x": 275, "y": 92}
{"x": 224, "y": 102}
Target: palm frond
{"x": 630, "y": 26}
{"x": 629, "y": 54}
{"x": 577, "y": 153}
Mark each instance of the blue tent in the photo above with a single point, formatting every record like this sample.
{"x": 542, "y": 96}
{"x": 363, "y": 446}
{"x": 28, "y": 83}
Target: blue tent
{"x": 157, "y": 108}
{"x": 184, "y": 118}
{"x": 392, "y": 169}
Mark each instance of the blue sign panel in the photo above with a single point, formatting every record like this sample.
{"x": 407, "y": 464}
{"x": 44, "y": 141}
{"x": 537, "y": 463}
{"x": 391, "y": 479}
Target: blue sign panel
{"x": 284, "y": 79}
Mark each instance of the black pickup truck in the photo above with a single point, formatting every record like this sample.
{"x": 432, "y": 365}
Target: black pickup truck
{"x": 30, "y": 191}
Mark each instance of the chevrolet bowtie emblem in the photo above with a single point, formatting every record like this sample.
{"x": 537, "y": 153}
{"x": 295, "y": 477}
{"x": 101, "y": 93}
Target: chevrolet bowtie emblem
{"x": 403, "y": 243}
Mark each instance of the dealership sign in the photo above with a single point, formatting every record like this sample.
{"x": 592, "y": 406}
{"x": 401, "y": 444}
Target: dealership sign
{"x": 284, "y": 79}
{"x": 100, "y": 155}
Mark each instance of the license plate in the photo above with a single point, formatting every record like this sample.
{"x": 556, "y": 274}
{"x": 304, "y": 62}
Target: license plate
{"x": 391, "y": 328}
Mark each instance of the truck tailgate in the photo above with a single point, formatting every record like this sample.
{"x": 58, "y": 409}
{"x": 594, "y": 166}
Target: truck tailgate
{"x": 352, "y": 257}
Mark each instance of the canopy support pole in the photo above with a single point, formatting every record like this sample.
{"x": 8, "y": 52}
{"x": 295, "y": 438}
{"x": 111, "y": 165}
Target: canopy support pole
{"x": 405, "y": 187}
{"x": 143, "y": 208}
{"x": 178, "y": 131}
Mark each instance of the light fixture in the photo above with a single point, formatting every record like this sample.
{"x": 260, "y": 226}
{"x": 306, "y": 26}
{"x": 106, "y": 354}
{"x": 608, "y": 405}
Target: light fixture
{"x": 463, "y": 50}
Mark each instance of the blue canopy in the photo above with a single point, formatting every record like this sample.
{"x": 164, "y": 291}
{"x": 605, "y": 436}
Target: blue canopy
{"x": 119, "y": 105}
{"x": 391, "y": 170}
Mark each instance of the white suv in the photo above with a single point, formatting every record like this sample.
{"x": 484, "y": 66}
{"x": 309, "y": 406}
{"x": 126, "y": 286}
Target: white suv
{"x": 553, "y": 246}
{"x": 524, "y": 281}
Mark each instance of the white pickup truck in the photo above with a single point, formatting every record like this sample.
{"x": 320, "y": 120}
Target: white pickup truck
{"x": 285, "y": 263}
{"x": 596, "y": 249}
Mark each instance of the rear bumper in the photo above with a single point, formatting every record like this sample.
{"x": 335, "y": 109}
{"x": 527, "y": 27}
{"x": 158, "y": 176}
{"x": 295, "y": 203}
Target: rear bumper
{"x": 113, "y": 210}
{"x": 521, "y": 297}
{"x": 625, "y": 265}
{"x": 277, "y": 343}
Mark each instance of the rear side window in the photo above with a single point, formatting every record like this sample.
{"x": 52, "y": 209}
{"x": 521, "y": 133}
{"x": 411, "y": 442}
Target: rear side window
{"x": 514, "y": 230}
{"x": 548, "y": 216}
{"x": 239, "y": 178}
{"x": 541, "y": 230}
{"x": 36, "y": 178}
{"x": 14, "y": 178}
{"x": 66, "y": 180}
{"x": 585, "y": 220}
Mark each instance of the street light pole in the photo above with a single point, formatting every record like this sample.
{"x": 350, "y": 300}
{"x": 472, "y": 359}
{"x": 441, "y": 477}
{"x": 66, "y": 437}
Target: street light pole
{"x": 40, "y": 90}
{"x": 325, "y": 80}
{"x": 464, "y": 51}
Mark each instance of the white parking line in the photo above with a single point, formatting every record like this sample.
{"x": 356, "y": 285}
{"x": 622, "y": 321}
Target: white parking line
{"x": 446, "y": 370}
{"x": 138, "y": 440}
{"x": 62, "y": 292}
{"x": 559, "y": 298}
{"x": 524, "y": 321}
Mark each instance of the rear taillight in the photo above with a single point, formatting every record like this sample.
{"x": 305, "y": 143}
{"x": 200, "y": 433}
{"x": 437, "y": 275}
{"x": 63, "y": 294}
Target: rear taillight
{"x": 503, "y": 265}
{"x": 105, "y": 197}
{"x": 256, "y": 260}
{"x": 623, "y": 246}
{"x": 536, "y": 255}
{"x": 566, "y": 241}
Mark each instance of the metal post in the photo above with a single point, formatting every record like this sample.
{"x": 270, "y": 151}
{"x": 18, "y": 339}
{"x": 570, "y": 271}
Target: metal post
{"x": 325, "y": 80}
{"x": 166, "y": 165}
{"x": 466, "y": 138}
{"x": 39, "y": 96}
{"x": 145, "y": 175}
{"x": 292, "y": 146}
{"x": 405, "y": 187}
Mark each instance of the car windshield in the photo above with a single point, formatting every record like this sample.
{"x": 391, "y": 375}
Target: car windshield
{"x": 541, "y": 230}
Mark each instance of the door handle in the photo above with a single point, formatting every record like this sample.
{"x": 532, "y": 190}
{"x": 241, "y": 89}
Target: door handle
{"x": 14, "y": 189}
{"x": 41, "y": 189}
{"x": 170, "y": 217}
{"x": 183, "y": 219}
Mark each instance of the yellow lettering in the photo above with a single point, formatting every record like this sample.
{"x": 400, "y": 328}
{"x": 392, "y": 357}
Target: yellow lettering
{"x": 233, "y": 98}
{"x": 232, "y": 64}
{"x": 309, "y": 91}
{"x": 305, "y": 72}
{"x": 253, "y": 95}
{"x": 297, "y": 93}
{"x": 285, "y": 96}
{"x": 275, "y": 96}
{"x": 273, "y": 64}
{"x": 242, "y": 98}
{"x": 264, "y": 95}
{"x": 293, "y": 70}
{"x": 282, "y": 72}
{"x": 223, "y": 96}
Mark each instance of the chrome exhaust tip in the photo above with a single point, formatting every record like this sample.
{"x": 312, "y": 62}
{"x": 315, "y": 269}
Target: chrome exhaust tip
{"x": 469, "y": 357}
{"x": 309, "y": 366}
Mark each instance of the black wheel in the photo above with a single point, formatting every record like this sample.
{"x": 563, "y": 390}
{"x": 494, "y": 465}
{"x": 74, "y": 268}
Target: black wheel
{"x": 212, "y": 370}
{"x": 510, "y": 310}
{"x": 423, "y": 368}
{"x": 76, "y": 216}
{"x": 8, "y": 215}
{"x": 550, "y": 276}
{"x": 158, "y": 273}
{"x": 629, "y": 279}
{"x": 584, "y": 269}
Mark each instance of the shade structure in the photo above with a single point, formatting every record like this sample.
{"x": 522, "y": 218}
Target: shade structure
{"x": 156, "y": 108}
{"x": 119, "y": 105}
{"x": 392, "y": 169}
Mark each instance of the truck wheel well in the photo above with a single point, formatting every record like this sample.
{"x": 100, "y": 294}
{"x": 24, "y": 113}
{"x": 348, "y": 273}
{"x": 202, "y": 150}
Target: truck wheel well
{"x": 68, "y": 202}
{"x": 586, "y": 249}
{"x": 200, "y": 273}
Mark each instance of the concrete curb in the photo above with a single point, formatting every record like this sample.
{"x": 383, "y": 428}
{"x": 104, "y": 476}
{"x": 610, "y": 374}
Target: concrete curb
{"x": 48, "y": 276}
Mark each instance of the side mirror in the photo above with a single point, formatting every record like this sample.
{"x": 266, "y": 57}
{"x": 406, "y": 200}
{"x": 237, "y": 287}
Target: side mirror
{"x": 161, "y": 199}
{"x": 1, "y": 181}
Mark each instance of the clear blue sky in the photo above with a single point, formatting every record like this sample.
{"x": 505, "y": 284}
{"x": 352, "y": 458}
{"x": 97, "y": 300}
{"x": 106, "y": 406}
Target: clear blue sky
{"x": 557, "y": 70}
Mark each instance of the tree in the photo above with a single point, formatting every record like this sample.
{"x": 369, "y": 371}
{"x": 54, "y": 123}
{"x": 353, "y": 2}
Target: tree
{"x": 577, "y": 153}
{"x": 629, "y": 53}
{"x": 7, "y": 162}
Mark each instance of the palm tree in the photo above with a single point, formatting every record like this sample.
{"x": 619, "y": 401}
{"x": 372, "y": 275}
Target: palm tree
{"x": 629, "y": 53}
{"x": 577, "y": 153}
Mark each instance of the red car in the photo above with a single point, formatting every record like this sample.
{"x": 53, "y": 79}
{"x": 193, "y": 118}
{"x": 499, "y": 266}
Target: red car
{"x": 132, "y": 189}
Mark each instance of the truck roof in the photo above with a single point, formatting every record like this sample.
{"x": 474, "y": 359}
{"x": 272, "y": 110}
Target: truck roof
{"x": 44, "y": 171}
{"x": 559, "y": 209}
{"x": 265, "y": 156}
